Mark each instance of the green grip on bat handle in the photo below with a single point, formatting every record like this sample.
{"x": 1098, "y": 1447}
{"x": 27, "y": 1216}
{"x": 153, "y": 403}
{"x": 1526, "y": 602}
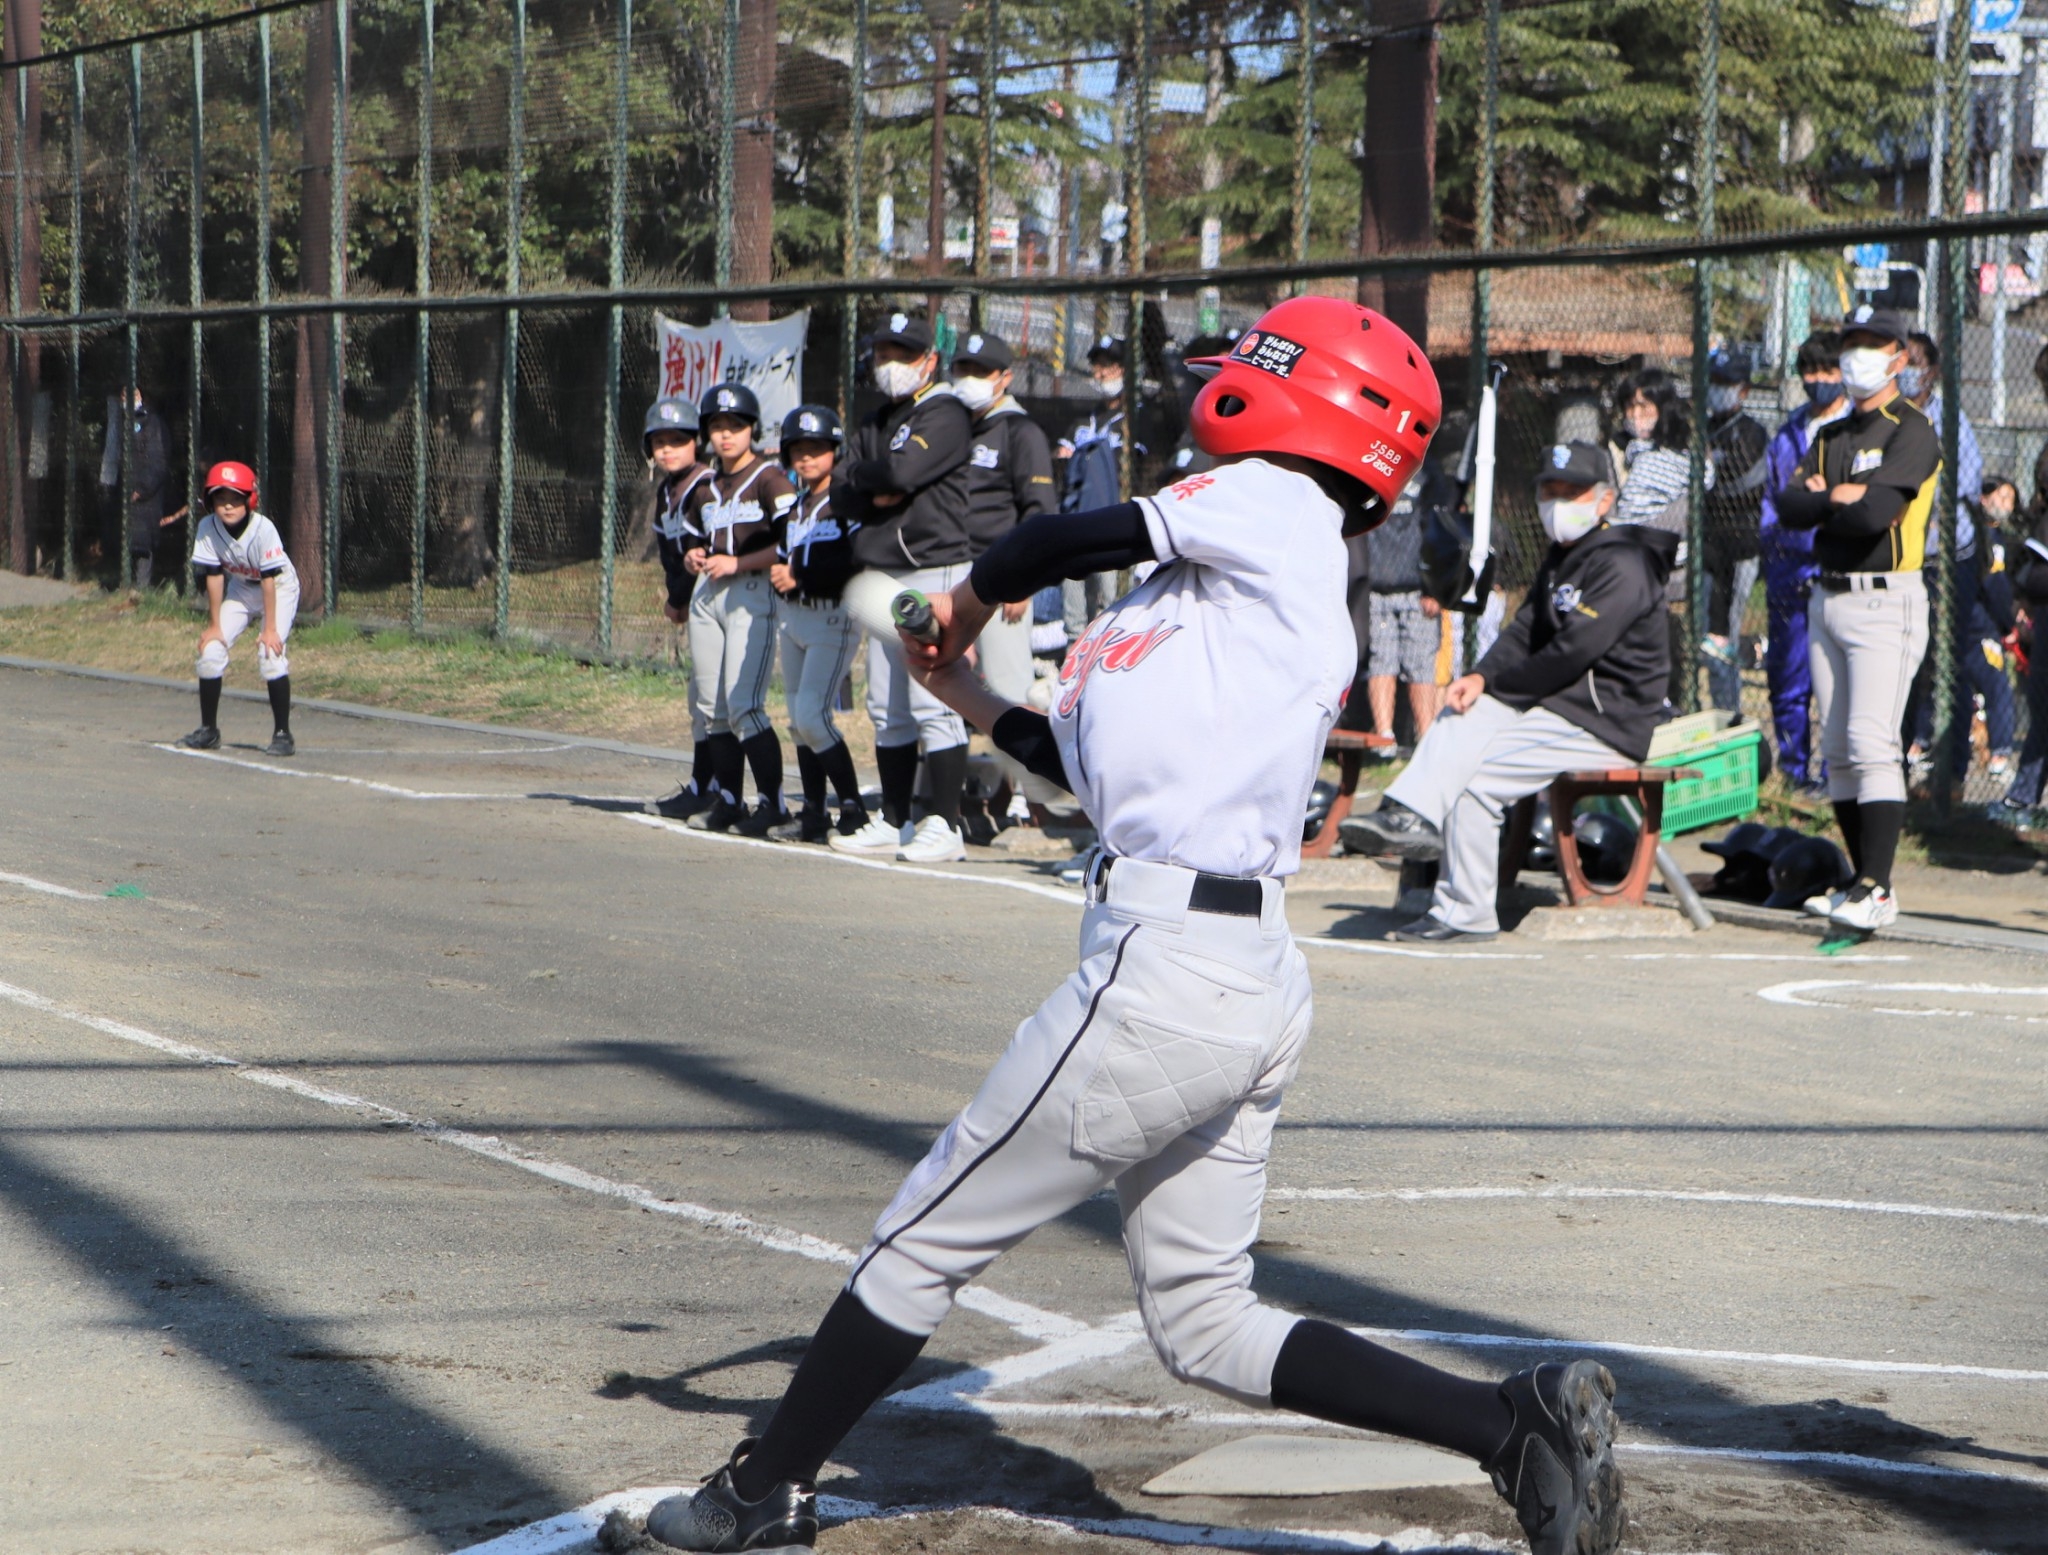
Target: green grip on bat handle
{"x": 913, "y": 616}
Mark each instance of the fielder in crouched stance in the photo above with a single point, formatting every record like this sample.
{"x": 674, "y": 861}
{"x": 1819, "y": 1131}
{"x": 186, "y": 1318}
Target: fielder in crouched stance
{"x": 240, "y": 560}
{"x": 1190, "y": 723}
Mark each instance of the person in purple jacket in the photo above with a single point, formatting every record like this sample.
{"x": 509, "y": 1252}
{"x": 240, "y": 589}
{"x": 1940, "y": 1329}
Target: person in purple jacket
{"x": 1789, "y": 567}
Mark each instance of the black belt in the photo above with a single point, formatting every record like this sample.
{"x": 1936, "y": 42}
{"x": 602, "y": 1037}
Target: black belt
{"x": 1228, "y": 896}
{"x": 1839, "y": 582}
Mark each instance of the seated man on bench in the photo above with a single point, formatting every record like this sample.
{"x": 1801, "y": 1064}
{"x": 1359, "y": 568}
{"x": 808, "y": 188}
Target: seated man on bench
{"x": 1576, "y": 682}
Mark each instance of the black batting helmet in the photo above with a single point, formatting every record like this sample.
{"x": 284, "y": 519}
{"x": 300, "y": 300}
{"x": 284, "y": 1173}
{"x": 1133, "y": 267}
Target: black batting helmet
{"x": 730, "y": 399}
{"x": 1812, "y": 866}
{"x": 670, "y": 413}
{"x": 812, "y": 424}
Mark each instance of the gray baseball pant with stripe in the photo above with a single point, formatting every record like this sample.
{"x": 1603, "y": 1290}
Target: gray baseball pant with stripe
{"x": 1864, "y": 647}
{"x": 818, "y": 644}
{"x": 732, "y": 653}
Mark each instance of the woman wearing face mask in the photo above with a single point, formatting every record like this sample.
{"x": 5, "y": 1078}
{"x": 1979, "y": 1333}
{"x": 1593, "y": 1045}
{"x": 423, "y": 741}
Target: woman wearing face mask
{"x": 1866, "y": 487}
{"x": 1656, "y": 484}
{"x": 1576, "y": 681}
{"x": 1789, "y": 568}
{"x": 1736, "y": 442}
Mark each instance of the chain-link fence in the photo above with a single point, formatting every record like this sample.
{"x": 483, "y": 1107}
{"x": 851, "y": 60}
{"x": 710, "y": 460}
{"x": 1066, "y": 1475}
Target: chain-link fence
{"x": 406, "y": 257}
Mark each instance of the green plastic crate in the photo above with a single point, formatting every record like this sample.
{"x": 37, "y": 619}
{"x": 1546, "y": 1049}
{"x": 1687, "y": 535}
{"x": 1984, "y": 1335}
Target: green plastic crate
{"x": 1723, "y": 753}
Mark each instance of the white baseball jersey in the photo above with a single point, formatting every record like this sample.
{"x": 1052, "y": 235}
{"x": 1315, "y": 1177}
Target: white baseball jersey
{"x": 248, "y": 558}
{"x": 1191, "y": 714}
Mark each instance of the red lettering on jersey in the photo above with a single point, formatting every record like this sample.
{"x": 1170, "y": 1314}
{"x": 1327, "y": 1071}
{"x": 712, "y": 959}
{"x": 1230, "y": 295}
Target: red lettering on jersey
{"x": 1180, "y": 491}
{"x": 1107, "y": 649}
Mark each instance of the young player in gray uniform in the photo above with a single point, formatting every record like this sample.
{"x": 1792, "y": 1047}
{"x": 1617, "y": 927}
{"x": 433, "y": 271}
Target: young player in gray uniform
{"x": 1190, "y": 726}
{"x": 241, "y": 562}
{"x": 668, "y": 441}
{"x": 814, "y": 558}
{"x": 1866, "y": 487}
{"x": 732, "y": 613}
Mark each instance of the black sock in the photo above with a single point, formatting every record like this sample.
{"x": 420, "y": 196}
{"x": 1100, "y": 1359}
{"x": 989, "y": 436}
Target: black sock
{"x": 854, "y": 1359}
{"x": 280, "y": 691}
{"x": 945, "y": 775}
{"x": 1881, "y": 822}
{"x": 1337, "y": 1376}
{"x": 703, "y": 765}
{"x": 209, "y": 703}
{"x": 811, "y": 773}
{"x": 728, "y": 766}
{"x": 764, "y": 755}
{"x": 837, "y": 764}
{"x": 899, "y": 777}
{"x": 1849, "y": 816}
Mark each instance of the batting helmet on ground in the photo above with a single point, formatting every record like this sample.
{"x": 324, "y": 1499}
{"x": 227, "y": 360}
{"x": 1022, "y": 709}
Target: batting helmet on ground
{"x": 1812, "y": 866}
{"x": 1330, "y": 381}
{"x": 1607, "y": 846}
{"x": 229, "y": 475}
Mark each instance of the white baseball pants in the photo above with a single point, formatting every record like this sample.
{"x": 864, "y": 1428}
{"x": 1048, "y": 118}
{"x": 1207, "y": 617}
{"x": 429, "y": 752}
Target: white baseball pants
{"x": 902, "y": 711}
{"x": 1466, "y": 772}
{"x": 1864, "y": 647}
{"x": 818, "y": 643}
{"x": 238, "y": 608}
{"x": 732, "y": 654}
{"x": 1157, "y": 1066}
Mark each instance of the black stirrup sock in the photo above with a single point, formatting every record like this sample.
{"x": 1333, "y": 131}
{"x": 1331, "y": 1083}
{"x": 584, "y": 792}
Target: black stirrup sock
{"x": 1330, "y": 1374}
{"x": 1881, "y": 821}
{"x": 209, "y": 703}
{"x": 837, "y": 764}
{"x": 1849, "y": 816}
{"x": 280, "y": 691}
{"x": 704, "y": 764}
{"x": 945, "y": 773}
{"x": 899, "y": 777}
{"x": 811, "y": 774}
{"x": 764, "y": 755}
{"x": 729, "y": 766}
{"x": 854, "y": 1359}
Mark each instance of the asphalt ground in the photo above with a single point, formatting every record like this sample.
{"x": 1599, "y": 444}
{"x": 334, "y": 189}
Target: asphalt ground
{"x": 421, "y": 1144}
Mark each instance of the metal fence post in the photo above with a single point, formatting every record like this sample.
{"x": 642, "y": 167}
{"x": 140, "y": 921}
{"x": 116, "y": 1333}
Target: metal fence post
{"x": 423, "y": 283}
{"x": 508, "y": 380}
{"x": 263, "y": 243}
{"x": 1705, "y": 171}
{"x": 131, "y": 295}
{"x": 1955, "y": 93}
{"x": 195, "y": 380}
{"x": 728, "y": 86}
{"x": 1304, "y": 128}
{"x": 985, "y": 170}
{"x": 1135, "y": 147}
{"x": 608, "y": 505}
{"x": 856, "y": 135}
{"x": 1482, "y": 280}
{"x": 76, "y": 297}
{"x": 337, "y": 273}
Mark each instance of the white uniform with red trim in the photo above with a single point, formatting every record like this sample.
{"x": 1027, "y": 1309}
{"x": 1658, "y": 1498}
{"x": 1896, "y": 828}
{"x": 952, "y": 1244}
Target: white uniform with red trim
{"x": 1190, "y": 720}
{"x": 246, "y": 559}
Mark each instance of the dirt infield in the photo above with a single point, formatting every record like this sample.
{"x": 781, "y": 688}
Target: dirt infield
{"x": 412, "y": 1143}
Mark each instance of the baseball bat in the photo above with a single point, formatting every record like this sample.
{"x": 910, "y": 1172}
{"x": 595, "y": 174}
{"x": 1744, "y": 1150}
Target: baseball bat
{"x": 912, "y": 613}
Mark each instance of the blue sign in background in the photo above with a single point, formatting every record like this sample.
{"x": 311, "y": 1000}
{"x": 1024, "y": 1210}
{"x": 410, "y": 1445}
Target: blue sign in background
{"x": 1995, "y": 15}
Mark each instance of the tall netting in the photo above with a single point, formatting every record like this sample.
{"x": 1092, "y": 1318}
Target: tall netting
{"x": 410, "y": 258}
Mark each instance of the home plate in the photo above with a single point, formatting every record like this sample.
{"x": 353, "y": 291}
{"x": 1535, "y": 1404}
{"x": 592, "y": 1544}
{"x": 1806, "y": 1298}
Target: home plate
{"x": 1312, "y": 1466}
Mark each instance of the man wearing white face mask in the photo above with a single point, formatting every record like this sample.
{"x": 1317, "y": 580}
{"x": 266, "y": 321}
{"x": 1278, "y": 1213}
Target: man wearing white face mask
{"x": 1576, "y": 681}
{"x": 1092, "y": 454}
{"x": 1866, "y": 487}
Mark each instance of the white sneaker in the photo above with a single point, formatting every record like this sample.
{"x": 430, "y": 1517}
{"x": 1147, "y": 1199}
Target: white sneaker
{"x": 1865, "y": 908}
{"x": 1823, "y": 906}
{"x": 933, "y": 843}
{"x": 877, "y": 839}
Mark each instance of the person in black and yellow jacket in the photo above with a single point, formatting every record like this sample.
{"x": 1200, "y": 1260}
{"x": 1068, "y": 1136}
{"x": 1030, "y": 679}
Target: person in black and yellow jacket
{"x": 1866, "y": 487}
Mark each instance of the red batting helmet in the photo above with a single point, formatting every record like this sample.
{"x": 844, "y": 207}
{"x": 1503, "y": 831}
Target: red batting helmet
{"x": 230, "y": 476}
{"x": 1330, "y": 381}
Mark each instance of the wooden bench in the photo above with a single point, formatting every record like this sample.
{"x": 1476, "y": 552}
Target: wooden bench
{"x": 1348, "y": 747}
{"x": 1641, "y": 787}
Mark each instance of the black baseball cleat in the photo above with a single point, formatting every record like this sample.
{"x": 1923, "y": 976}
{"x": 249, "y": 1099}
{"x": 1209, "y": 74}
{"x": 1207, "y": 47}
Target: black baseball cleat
{"x": 807, "y": 825}
{"x": 852, "y": 817}
{"x": 683, "y": 803}
{"x": 204, "y": 738}
{"x": 281, "y": 744}
{"x": 1428, "y": 930}
{"x": 761, "y": 820}
{"x": 715, "y": 1519}
{"x": 1391, "y": 831}
{"x": 1557, "y": 1466}
{"x": 723, "y": 815}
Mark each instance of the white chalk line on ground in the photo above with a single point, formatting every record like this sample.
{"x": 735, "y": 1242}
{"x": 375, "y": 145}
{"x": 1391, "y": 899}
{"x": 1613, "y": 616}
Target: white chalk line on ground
{"x": 30, "y": 883}
{"x": 1742, "y": 955}
{"x": 1796, "y": 994}
{"x": 1668, "y": 1195}
{"x": 395, "y": 790}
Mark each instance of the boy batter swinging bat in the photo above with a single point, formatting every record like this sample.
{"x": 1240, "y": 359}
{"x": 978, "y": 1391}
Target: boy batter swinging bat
{"x": 1190, "y": 723}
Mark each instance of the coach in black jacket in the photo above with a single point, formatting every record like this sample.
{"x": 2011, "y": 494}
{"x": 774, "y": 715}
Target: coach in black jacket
{"x": 1576, "y": 681}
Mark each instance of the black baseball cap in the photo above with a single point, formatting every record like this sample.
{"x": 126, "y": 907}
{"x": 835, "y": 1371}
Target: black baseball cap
{"x": 1726, "y": 366}
{"x": 903, "y": 329}
{"x": 1107, "y": 348}
{"x": 988, "y": 352}
{"x": 1885, "y": 323}
{"x": 1576, "y": 464}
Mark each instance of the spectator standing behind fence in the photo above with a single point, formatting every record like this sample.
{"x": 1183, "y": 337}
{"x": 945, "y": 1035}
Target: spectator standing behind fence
{"x": 1736, "y": 445}
{"x": 1867, "y": 486}
{"x": 2029, "y": 571}
{"x": 1405, "y": 635}
{"x": 1092, "y": 454}
{"x": 1789, "y": 567}
{"x": 1991, "y": 621}
{"x": 907, "y": 486}
{"x": 1920, "y": 382}
{"x": 1656, "y": 485}
{"x": 149, "y": 485}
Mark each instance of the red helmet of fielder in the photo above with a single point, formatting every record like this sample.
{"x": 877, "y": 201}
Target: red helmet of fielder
{"x": 229, "y": 475}
{"x": 1329, "y": 380}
